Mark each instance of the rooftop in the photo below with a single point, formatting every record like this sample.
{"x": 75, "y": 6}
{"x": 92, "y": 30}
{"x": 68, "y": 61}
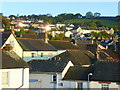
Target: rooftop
{"x": 29, "y": 44}
{"x": 12, "y": 60}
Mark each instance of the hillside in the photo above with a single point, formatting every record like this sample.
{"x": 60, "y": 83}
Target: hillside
{"x": 107, "y": 22}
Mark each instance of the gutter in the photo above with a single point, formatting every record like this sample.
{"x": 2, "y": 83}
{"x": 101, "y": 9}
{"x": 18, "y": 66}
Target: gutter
{"x": 22, "y": 80}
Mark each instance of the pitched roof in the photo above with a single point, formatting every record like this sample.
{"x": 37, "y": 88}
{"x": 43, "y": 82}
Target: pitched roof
{"x": 110, "y": 53}
{"x": 53, "y": 65}
{"x": 77, "y": 73}
{"x": 78, "y": 57}
{"x": 108, "y": 71}
{"x": 11, "y": 60}
{"x": 102, "y": 71}
{"x": 62, "y": 44}
{"x": 34, "y": 45}
{"x": 58, "y": 63}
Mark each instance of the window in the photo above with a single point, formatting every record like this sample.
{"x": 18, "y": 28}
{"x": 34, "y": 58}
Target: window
{"x": 4, "y": 78}
{"x": 105, "y": 87}
{"x": 12, "y": 43}
{"x": 80, "y": 86}
{"x": 33, "y": 55}
{"x": 54, "y": 78}
{"x": 41, "y": 54}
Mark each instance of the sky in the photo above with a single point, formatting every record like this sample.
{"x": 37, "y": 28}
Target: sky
{"x": 108, "y": 8}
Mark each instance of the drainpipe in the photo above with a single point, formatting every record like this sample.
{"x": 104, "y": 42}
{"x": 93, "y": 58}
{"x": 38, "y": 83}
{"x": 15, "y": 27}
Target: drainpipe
{"x": 22, "y": 79}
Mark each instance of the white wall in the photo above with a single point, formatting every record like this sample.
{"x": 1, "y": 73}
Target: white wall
{"x": 66, "y": 68}
{"x": 46, "y": 81}
{"x": 15, "y": 78}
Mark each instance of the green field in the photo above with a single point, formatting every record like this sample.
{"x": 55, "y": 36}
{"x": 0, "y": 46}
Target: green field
{"x": 106, "y": 22}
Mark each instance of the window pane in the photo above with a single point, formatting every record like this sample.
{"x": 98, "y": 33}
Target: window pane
{"x": 4, "y": 78}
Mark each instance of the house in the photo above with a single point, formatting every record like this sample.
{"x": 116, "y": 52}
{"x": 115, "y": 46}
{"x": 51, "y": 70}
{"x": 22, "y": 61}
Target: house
{"x": 76, "y": 30}
{"x": 54, "y": 33}
{"x": 28, "y": 48}
{"x": 104, "y": 74}
{"x": 86, "y": 29}
{"x": 60, "y": 25}
{"x": 50, "y": 73}
{"x": 35, "y": 49}
{"x": 14, "y": 72}
{"x": 68, "y": 34}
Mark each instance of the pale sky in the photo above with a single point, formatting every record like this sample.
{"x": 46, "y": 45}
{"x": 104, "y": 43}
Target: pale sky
{"x": 108, "y": 8}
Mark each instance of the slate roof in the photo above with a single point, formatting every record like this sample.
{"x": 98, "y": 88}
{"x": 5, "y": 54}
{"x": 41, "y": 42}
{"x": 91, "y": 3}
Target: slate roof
{"x": 58, "y": 63}
{"x": 11, "y": 60}
{"x": 28, "y": 44}
{"x": 78, "y": 57}
{"x": 102, "y": 71}
{"x": 110, "y": 53}
{"x": 108, "y": 71}
{"x": 62, "y": 44}
{"x": 47, "y": 65}
{"x": 77, "y": 73}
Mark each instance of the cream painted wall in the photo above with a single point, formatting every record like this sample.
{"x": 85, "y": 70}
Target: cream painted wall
{"x": 89, "y": 31}
{"x": 16, "y": 47}
{"x": 46, "y": 81}
{"x": 15, "y": 78}
{"x": 27, "y": 55}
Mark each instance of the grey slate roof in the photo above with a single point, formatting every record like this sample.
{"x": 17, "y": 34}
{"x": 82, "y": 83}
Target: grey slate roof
{"x": 107, "y": 71}
{"x": 11, "y": 60}
{"x": 47, "y": 65}
{"x": 78, "y": 57}
{"x": 29, "y": 44}
{"x": 58, "y": 63}
{"x": 62, "y": 44}
{"x": 103, "y": 71}
{"x": 77, "y": 73}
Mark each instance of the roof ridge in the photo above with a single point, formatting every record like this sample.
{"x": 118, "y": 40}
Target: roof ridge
{"x": 29, "y": 38}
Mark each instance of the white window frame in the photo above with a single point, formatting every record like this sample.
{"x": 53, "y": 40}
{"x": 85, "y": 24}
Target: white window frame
{"x": 54, "y": 76}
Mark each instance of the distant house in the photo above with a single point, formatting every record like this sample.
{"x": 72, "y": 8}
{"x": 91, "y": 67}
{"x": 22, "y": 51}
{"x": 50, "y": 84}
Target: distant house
{"x": 68, "y": 34}
{"x": 60, "y": 25}
{"x": 38, "y": 30}
{"x": 96, "y": 29}
{"x": 14, "y": 72}
{"x": 104, "y": 74}
{"x": 54, "y": 33}
{"x": 76, "y": 30}
{"x": 50, "y": 73}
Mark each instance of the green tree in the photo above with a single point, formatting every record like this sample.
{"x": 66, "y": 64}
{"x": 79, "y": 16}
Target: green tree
{"x": 22, "y": 31}
{"x": 5, "y": 23}
{"x": 89, "y": 15}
